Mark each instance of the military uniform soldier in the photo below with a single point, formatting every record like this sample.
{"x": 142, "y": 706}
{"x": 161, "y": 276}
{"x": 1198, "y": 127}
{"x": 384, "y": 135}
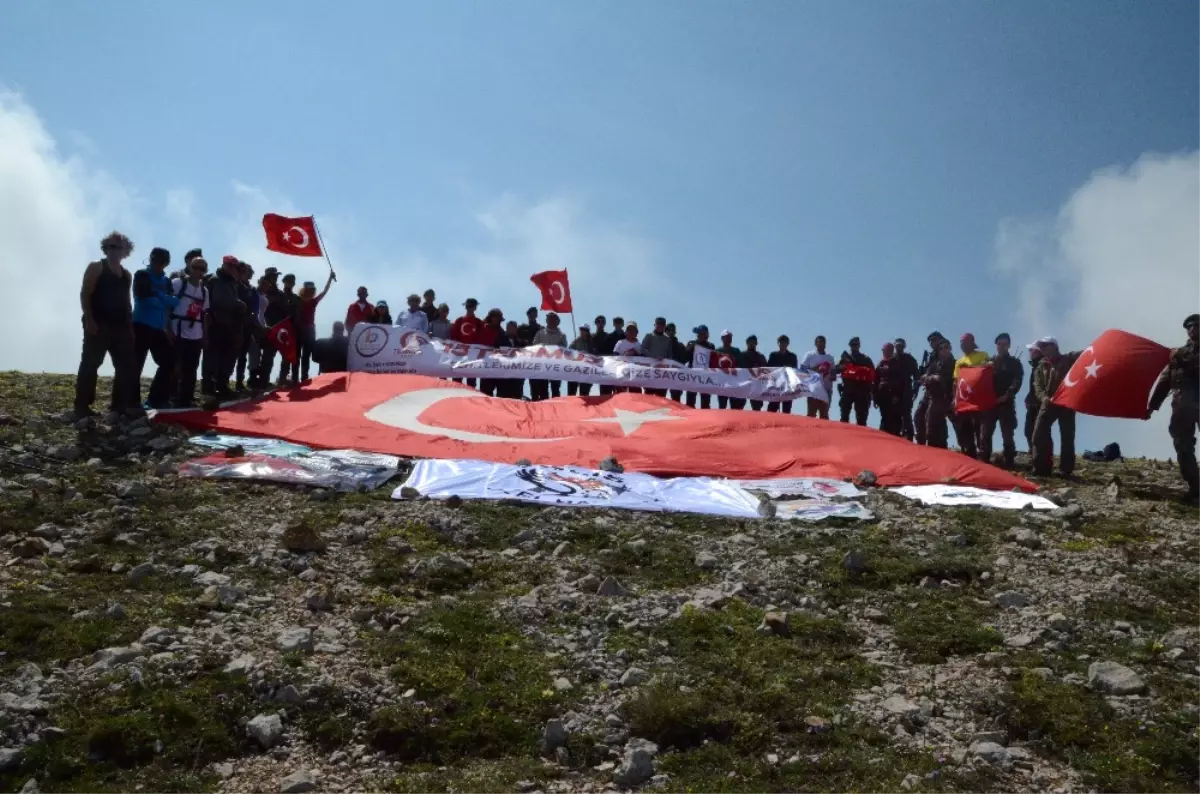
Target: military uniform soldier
{"x": 929, "y": 360}
{"x": 1182, "y": 379}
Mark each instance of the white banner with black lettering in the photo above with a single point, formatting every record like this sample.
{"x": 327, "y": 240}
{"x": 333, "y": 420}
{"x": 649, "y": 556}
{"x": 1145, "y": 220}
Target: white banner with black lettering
{"x": 390, "y": 349}
{"x": 569, "y": 486}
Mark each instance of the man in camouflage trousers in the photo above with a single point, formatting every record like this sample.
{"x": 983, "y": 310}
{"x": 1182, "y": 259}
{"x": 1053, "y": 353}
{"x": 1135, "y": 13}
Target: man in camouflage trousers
{"x": 1182, "y": 379}
{"x": 1048, "y": 376}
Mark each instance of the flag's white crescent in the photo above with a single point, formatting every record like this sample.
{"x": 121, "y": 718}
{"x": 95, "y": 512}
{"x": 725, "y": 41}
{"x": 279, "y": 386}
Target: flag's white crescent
{"x": 1067, "y": 378}
{"x": 404, "y": 413}
{"x": 964, "y": 390}
{"x": 561, "y": 298}
{"x": 287, "y": 237}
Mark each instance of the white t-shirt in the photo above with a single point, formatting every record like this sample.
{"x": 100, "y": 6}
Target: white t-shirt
{"x": 193, "y": 303}
{"x": 823, "y": 363}
{"x": 626, "y": 348}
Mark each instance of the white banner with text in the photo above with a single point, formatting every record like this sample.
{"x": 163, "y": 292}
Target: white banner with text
{"x": 395, "y": 350}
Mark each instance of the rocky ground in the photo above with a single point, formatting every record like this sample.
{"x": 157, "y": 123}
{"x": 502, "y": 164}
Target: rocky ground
{"x": 167, "y": 634}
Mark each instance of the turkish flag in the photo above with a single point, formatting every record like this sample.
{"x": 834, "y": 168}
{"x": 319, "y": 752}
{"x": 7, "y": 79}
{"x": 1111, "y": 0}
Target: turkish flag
{"x": 283, "y": 337}
{"x": 976, "y": 390}
{"x": 1113, "y": 376}
{"x": 856, "y": 373}
{"x": 295, "y": 236}
{"x": 416, "y": 416}
{"x": 556, "y": 290}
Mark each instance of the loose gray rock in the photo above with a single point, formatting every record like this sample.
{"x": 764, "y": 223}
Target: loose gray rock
{"x": 242, "y": 665}
{"x": 900, "y": 705}
{"x": 223, "y": 770}
{"x": 855, "y": 562}
{"x": 611, "y": 587}
{"x": 709, "y": 598}
{"x": 706, "y": 560}
{"x": 132, "y": 490}
{"x": 318, "y": 600}
{"x": 1059, "y": 622}
{"x": 295, "y": 639}
{"x": 139, "y": 572}
{"x": 266, "y": 729}
{"x": 991, "y": 752}
{"x": 297, "y": 783}
{"x": 637, "y": 765}
{"x": 211, "y": 578}
{"x": 634, "y": 676}
{"x": 776, "y": 623}
{"x": 10, "y": 758}
{"x": 610, "y": 464}
{"x": 1011, "y": 598}
{"x": 48, "y": 531}
{"x": 555, "y": 735}
{"x": 31, "y": 547}
{"x": 114, "y": 611}
{"x": 300, "y": 538}
{"x": 31, "y": 787}
{"x": 1114, "y": 679}
{"x": 1025, "y": 537}
{"x": 157, "y": 635}
{"x": 1072, "y": 512}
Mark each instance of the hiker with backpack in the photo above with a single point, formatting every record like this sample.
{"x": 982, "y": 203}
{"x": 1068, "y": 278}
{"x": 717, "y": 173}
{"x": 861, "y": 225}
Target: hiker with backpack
{"x": 188, "y": 320}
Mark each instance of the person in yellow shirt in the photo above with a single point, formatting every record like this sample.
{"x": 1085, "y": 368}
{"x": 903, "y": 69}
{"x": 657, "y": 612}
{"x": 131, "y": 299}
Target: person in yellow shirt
{"x": 967, "y": 426}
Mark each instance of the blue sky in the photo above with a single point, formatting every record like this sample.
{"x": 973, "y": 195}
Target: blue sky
{"x": 802, "y": 167}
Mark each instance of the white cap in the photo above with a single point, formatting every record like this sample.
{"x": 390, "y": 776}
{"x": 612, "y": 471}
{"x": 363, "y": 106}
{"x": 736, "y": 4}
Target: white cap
{"x": 585, "y": 327}
{"x": 1045, "y": 340}
{"x": 727, "y": 332}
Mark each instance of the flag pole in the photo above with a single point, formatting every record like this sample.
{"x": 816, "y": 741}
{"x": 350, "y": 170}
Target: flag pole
{"x": 324, "y": 250}
{"x": 574, "y": 332}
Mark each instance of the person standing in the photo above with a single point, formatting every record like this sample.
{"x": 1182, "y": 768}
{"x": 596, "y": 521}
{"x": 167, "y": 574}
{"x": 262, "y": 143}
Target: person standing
{"x": 291, "y": 370}
{"x": 1049, "y": 375}
{"x": 753, "y": 358}
{"x": 657, "y": 344}
{"x": 430, "y": 307}
{"x": 679, "y": 354}
{"x": 528, "y": 330}
{"x": 1032, "y": 406}
{"x": 414, "y": 317}
{"x": 858, "y": 376}
{"x": 226, "y": 316}
{"x": 701, "y": 340}
{"x": 581, "y": 344}
{"x": 782, "y": 358}
{"x": 889, "y": 390}
{"x": 513, "y": 388}
{"x": 820, "y": 362}
{"x": 939, "y": 394}
{"x": 108, "y": 330}
{"x": 912, "y": 371}
{"x": 727, "y": 348}
{"x": 491, "y": 334}
{"x": 1181, "y": 379}
{"x": 966, "y": 425}
{"x": 361, "y": 311}
{"x": 553, "y": 336}
{"x": 249, "y": 351}
{"x": 309, "y": 300}
{"x": 920, "y": 424}
{"x": 188, "y": 320}
{"x": 1007, "y": 377}
{"x": 153, "y": 301}
{"x": 439, "y": 326}
{"x": 466, "y": 331}
{"x": 382, "y": 314}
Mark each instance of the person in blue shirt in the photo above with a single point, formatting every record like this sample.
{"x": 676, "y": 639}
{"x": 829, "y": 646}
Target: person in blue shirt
{"x": 153, "y": 302}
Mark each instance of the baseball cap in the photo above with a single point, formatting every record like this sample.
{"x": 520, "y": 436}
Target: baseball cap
{"x": 899, "y": 341}
{"x": 967, "y": 337}
{"x": 934, "y": 335}
{"x": 379, "y": 304}
{"x": 310, "y": 285}
{"x": 700, "y": 329}
{"x": 726, "y": 333}
{"x": 1192, "y": 319}
{"x": 1045, "y": 340}
{"x": 585, "y": 327}
{"x": 854, "y": 340}
{"x": 470, "y": 302}
{"x": 290, "y": 277}
{"x": 271, "y": 272}
{"x": 229, "y": 259}
{"x": 1003, "y": 335}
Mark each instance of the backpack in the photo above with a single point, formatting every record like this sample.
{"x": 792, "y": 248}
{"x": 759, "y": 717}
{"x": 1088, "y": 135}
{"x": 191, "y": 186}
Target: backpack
{"x": 183, "y": 285}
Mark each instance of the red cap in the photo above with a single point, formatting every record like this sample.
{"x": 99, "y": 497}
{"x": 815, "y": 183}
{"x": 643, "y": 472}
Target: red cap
{"x": 967, "y": 338}
{"x": 229, "y": 259}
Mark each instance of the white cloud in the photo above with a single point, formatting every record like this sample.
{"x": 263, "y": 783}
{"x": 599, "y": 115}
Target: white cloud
{"x": 1123, "y": 252}
{"x": 55, "y": 207}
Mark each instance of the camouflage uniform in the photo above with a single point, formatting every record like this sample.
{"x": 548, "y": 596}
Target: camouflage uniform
{"x": 920, "y": 421}
{"x": 1008, "y": 375}
{"x": 1046, "y": 379}
{"x": 1182, "y": 379}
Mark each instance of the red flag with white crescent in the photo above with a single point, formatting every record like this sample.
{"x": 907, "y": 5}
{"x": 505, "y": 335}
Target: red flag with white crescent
{"x": 1113, "y": 376}
{"x": 556, "y": 290}
{"x": 418, "y": 416}
{"x": 976, "y": 390}
{"x": 283, "y": 336}
{"x": 295, "y": 236}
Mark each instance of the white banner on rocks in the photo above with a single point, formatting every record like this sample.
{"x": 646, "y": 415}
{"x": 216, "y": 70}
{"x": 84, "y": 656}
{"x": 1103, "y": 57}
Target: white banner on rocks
{"x": 391, "y": 349}
{"x": 570, "y": 486}
{"x": 808, "y": 487}
{"x": 953, "y": 495}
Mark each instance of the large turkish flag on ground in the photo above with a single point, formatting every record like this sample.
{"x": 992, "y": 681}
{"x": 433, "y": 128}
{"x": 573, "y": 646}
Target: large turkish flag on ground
{"x": 1113, "y": 376}
{"x": 416, "y": 416}
{"x": 556, "y": 290}
{"x": 295, "y": 236}
{"x": 976, "y": 390}
{"x": 283, "y": 337}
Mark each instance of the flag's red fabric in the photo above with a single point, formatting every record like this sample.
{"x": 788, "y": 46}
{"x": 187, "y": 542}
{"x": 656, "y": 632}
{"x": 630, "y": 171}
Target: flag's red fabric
{"x": 855, "y": 373}
{"x": 556, "y": 290}
{"x": 283, "y": 337}
{"x": 295, "y": 236}
{"x": 976, "y": 390}
{"x": 1113, "y": 376}
{"x": 425, "y": 417}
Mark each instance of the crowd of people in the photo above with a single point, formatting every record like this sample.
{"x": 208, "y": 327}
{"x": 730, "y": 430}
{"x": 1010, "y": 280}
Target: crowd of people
{"x": 210, "y": 329}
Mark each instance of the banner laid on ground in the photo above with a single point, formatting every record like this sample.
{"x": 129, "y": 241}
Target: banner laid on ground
{"x": 422, "y": 417}
{"x": 815, "y": 510}
{"x": 571, "y": 486}
{"x": 952, "y": 495}
{"x": 808, "y": 487}
{"x": 273, "y": 460}
{"x": 390, "y": 349}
